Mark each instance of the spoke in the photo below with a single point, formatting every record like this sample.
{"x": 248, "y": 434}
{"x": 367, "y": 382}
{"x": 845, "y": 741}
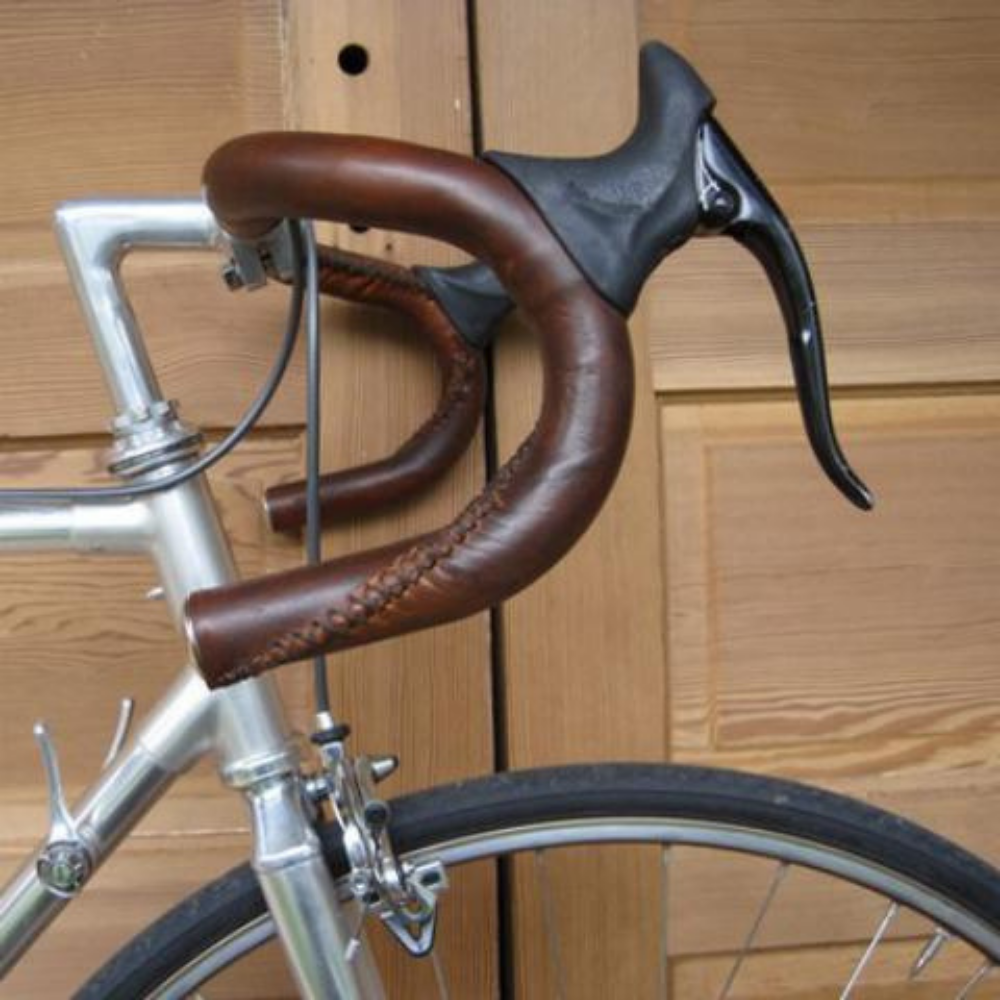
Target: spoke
{"x": 439, "y": 976}
{"x": 929, "y": 952}
{"x": 978, "y": 976}
{"x": 664, "y": 907}
{"x": 869, "y": 951}
{"x": 549, "y": 916}
{"x": 355, "y": 942}
{"x": 779, "y": 874}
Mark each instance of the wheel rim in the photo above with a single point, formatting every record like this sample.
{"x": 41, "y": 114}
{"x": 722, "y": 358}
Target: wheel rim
{"x": 541, "y": 838}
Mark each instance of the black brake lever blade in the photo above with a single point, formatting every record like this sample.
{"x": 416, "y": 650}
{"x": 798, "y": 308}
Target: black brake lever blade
{"x": 735, "y": 203}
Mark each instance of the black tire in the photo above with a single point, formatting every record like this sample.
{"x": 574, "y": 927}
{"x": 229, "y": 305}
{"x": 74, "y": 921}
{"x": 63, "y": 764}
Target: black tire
{"x": 768, "y": 806}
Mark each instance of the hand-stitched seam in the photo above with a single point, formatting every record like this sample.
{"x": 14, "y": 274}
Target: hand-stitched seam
{"x": 379, "y": 592}
{"x": 333, "y": 262}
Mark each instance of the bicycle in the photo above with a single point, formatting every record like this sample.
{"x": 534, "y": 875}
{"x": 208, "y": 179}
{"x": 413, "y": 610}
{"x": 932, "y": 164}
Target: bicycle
{"x": 571, "y": 243}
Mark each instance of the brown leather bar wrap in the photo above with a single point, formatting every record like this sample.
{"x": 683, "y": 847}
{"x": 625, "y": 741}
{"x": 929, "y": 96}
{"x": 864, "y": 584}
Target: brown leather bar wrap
{"x": 535, "y": 507}
{"x": 431, "y": 450}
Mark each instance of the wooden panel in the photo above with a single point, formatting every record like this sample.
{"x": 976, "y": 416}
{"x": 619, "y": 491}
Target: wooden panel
{"x": 596, "y": 616}
{"x": 75, "y": 624}
{"x": 856, "y": 651}
{"x": 868, "y": 123}
{"x": 210, "y": 348}
{"x": 881, "y": 100}
{"x": 107, "y": 97}
{"x": 808, "y": 638}
{"x": 779, "y": 974}
{"x": 426, "y": 697}
{"x": 167, "y": 868}
{"x": 77, "y": 635}
{"x": 805, "y": 638}
{"x": 135, "y": 99}
{"x": 582, "y": 649}
{"x": 379, "y": 384}
{"x": 104, "y": 95}
{"x": 901, "y": 304}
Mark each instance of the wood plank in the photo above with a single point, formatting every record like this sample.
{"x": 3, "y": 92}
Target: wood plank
{"x": 114, "y": 97}
{"x": 884, "y": 98}
{"x": 596, "y": 616}
{"x": 425, "y": 697}
{"x": 588, "y": 922}
{"x": 106, "y": 97}
{"x": 379, "y": 385}
{"x": 712, "y": 898}
{"x": 900, "y": 304}
{"x": 579, "y": 645}
{"x": 153, "y": 871}
{"x": 881, "y": 163}
{"x": 818, "y": 973}
{"x": 807, "y": 637}
{"x": 210, "y": 348}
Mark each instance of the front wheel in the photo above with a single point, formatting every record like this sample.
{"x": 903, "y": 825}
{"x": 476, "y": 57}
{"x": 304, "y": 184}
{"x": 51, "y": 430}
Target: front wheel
{"x": 629, "y": 880}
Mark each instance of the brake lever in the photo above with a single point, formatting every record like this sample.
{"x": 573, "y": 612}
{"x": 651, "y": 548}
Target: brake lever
{"x": 620, "y": 214}
{"x": 735, "y": 203}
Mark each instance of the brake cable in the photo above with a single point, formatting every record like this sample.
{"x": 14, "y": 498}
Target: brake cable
{"x": 313, "y": 527}
{"x": 96, "y": 494}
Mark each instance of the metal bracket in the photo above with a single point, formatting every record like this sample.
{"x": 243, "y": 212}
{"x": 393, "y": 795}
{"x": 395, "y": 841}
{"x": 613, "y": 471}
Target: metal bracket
{"x": 252, "y": 262}
{"x": 66, "y": 863}
{"x": 404, "y": 896}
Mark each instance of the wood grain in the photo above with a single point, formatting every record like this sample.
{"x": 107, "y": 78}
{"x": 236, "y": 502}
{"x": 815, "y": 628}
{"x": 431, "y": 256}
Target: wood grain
{"x": 885, "y": 98}
{"x": 107, "y": 97}
{"x": 135, "y": 886}
{"x": 424, "y": 697}
{"x": 800, "y": 626}
{"x": 867, "y": 123}
{"x": 596, "y": 615}
{"x": 152, "y": 92}
{"x": 803, "y": 639}
{"x": 75, "y": 624}
{"x": 778, "y": 973}
{"x": 378, "y": 385}
{"x": 901, "y": 303}
{"x": 582, "y": 653}
{"x": 113, "y": 97}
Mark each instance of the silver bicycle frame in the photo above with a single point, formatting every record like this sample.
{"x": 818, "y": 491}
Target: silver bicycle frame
{"x": 180, "y": 530}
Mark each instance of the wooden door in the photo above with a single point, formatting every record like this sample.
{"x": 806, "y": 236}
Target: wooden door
{"x": 106, "y": 97}
{"x": 801, "y": 637}
{"x": 727, "y": 607}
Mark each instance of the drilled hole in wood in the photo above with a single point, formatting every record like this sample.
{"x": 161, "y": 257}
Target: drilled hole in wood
{"x": 353, "y": 59}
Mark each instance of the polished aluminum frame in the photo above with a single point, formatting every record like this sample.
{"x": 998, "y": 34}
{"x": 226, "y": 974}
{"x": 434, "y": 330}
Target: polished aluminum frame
{"x": 179, "y": 529}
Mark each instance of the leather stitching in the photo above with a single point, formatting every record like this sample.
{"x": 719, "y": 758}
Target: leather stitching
{"x": 382, "y": 590}
{"x": 333, "y": 261}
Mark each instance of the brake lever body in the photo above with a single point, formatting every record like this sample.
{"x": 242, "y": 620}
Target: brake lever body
{"x": 736, "y": 203}
{"x": 678, "y": 175}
